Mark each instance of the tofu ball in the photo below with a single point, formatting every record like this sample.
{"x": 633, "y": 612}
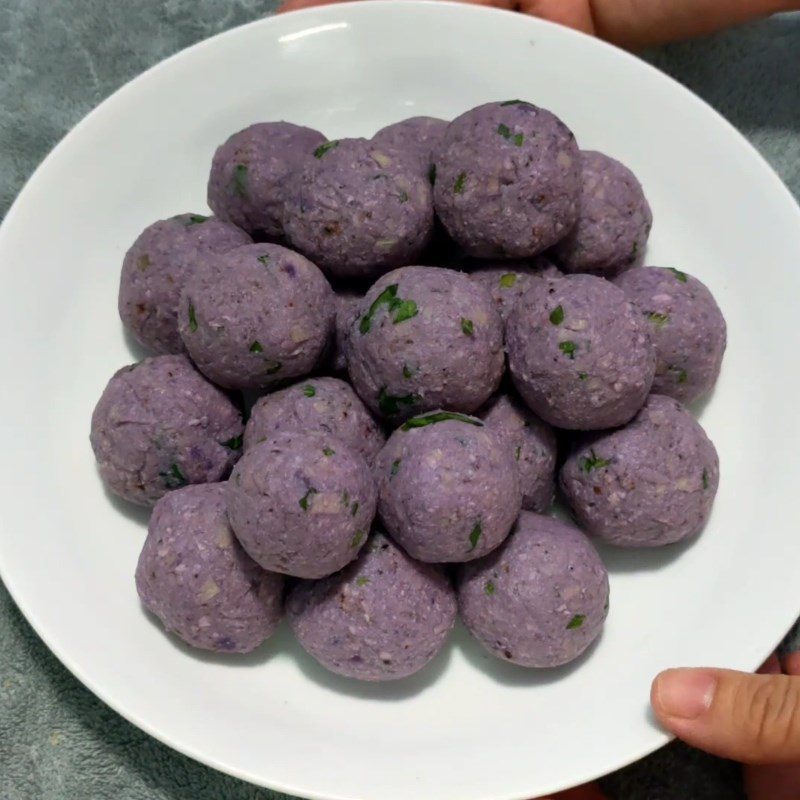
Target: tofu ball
{"x": 614, "y": 220}
{"x": 249, "y": 174}
{"x": 155, "y": 268}
{"x": 686, "y": 326}
{"x": 160, "y": 425}
{"x": 195, "y": 577}
{"x": 327, "y": 405}
{"x": 418, "y": 137}
{"x": 539, "y": 600}
{"x": 346, "y": 309}
{"x": 533, "y": 443}
{"x": 580, "y": 354}
{"x": 648, "y": 484}
{"x": 425, "y": 338}
{"x": 448, "y": 487}
{"x": 302, "y": 503}
{"x": 507, "y": 180}
{"x": 383, "y": 617}
{"x": 357, "y": 210}
{"x": 256, "y": 316}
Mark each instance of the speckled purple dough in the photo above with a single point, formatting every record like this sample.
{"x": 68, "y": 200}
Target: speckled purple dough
{"x": 357, "y": 210}
{"x": 302, "y": 503}
{"x": 448, "y": 487}
{"x": 417, "y": 136}
{"x": 580, "y": 354}
{"x": 383, "y": 617}
{"x": 686, "y": 325}
{"x": 507, "y": 180}
{"x": 533, "y": 444}
{"x": 256, "y": 316}
{"x": 645, "y": 485}
{"x": 160, "y": 425}
{"x": 154, "y": 270}
{"x": 539, "y": 600}
{"x": 614, "y": 221}
{"x": 195, "y": 577}
{"x": 425, "y": 338}
{"x": 346, "y": 309}
{"x": 249, "y": 173}
{"x": 324, "y": 404}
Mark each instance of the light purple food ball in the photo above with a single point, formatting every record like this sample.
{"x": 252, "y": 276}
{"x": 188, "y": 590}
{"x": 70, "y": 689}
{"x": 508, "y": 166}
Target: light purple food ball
{"x": 419, "y": 137}
{"x": 346, "y": 309}
{"x": 686, "y": 325}
{"x": 648, "y": 484}
{"x": 507, "y": 180}
{"x": 533, "y": 443}
{"x": 256, "y": 316}
{"x": 155, "y": 268}
{"x": 302, "y": 503}
{"x": 383, "y": 617}
{"x": 357, "y": 210}
{"x": 614, "y": 221}
{"x": 327, "y": 405}
{"x": 425, "y": 338}
{"x": 448, "y": 487}
{"x": 195, "y": 577}
{"x": 540, "y": 599}
{"x": 160, "y": 425}
{"x": 249, "y": 174}
{"x": 580, "y": 354}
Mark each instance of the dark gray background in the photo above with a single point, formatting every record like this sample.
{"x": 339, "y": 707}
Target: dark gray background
{"x": 59, "y": 59}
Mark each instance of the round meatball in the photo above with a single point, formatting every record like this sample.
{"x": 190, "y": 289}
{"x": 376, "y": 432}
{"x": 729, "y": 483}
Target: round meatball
{"x": 425, "y": 338}
{"x": 580, "y": 354}
{"x": 195, "y": 577}
{"x": 448, "y": 487}
{"x": 507, "y": 180}
{"x": 539, "y": 600}
{"x": 327, "y": 405}
{"x": 533, "y": 443}
{"x": 256, "y": 316}
{"x": 383, "y": 617}
{"x": 418, "y": 137}
{"x": 358, "y": 210}
{"x": 686, "y": 325}
{"x": 154, "y": 270}
{"x": 249, "y": 174}
{"x": 649, "y": 484}
{"x": 302, "y": 503}
{"x": 614, "y": 221}
{"x": 346, "y": 309}
{"x": 160, "y": 425}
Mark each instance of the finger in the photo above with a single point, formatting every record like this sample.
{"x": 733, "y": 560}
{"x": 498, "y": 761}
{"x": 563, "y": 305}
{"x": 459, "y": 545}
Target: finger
{"x": 772, "y": 666}
{"x": 749, "y": 718}
{"x": 791, "y": 664}
{"x": 296, "y": 5}
{"x": 572, "y": 13}
{"x": 772, "y": 782}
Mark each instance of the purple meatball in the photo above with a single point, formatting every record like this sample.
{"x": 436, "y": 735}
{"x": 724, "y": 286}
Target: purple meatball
{"x": 327, "y": 405}
{"x": 346, "y": 308}
{"x": 383, "y": 617}
{"x": 580, "y": 354}
{"x": 686, "y": 325}
{"x": 302, "y": 503}
{"x": 448, "y": 487}
{"x": 358, "y": 210}
{"x": 533, "y": 444}
{"x": 195, "y": 577}
{"x": 256, "y": 316}
{"x": 649, "y": 484}
{"x": 507, "y": 180}
{"x": 539, "y": 600}
{"x": 418, "y": 137}
{"x": 160, "y": 425}
{"x": 249, "y": 174}
{"x": 425, "y": 338}
{"x": 614, "y": 221}
{"x": 154, "y": 271}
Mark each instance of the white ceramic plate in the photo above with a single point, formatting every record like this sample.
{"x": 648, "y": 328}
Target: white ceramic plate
{"x": 469, "y": 727}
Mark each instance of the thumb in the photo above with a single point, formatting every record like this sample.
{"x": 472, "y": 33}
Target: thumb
{"x": 750, "y": 718}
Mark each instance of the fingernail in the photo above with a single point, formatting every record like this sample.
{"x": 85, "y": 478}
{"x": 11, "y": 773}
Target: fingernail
{"x": 684, "y": 693}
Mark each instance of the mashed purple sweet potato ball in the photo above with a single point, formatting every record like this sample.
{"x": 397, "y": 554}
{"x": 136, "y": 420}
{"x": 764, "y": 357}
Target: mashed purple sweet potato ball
{"x": 418, "y": 137}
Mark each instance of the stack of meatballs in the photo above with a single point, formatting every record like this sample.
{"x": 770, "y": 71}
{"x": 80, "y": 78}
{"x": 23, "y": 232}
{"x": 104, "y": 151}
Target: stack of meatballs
{"x": 365, "y": 297}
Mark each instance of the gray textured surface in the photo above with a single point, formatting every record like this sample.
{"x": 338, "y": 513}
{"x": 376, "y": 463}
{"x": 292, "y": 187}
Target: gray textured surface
{"x": 58, "y": 59}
